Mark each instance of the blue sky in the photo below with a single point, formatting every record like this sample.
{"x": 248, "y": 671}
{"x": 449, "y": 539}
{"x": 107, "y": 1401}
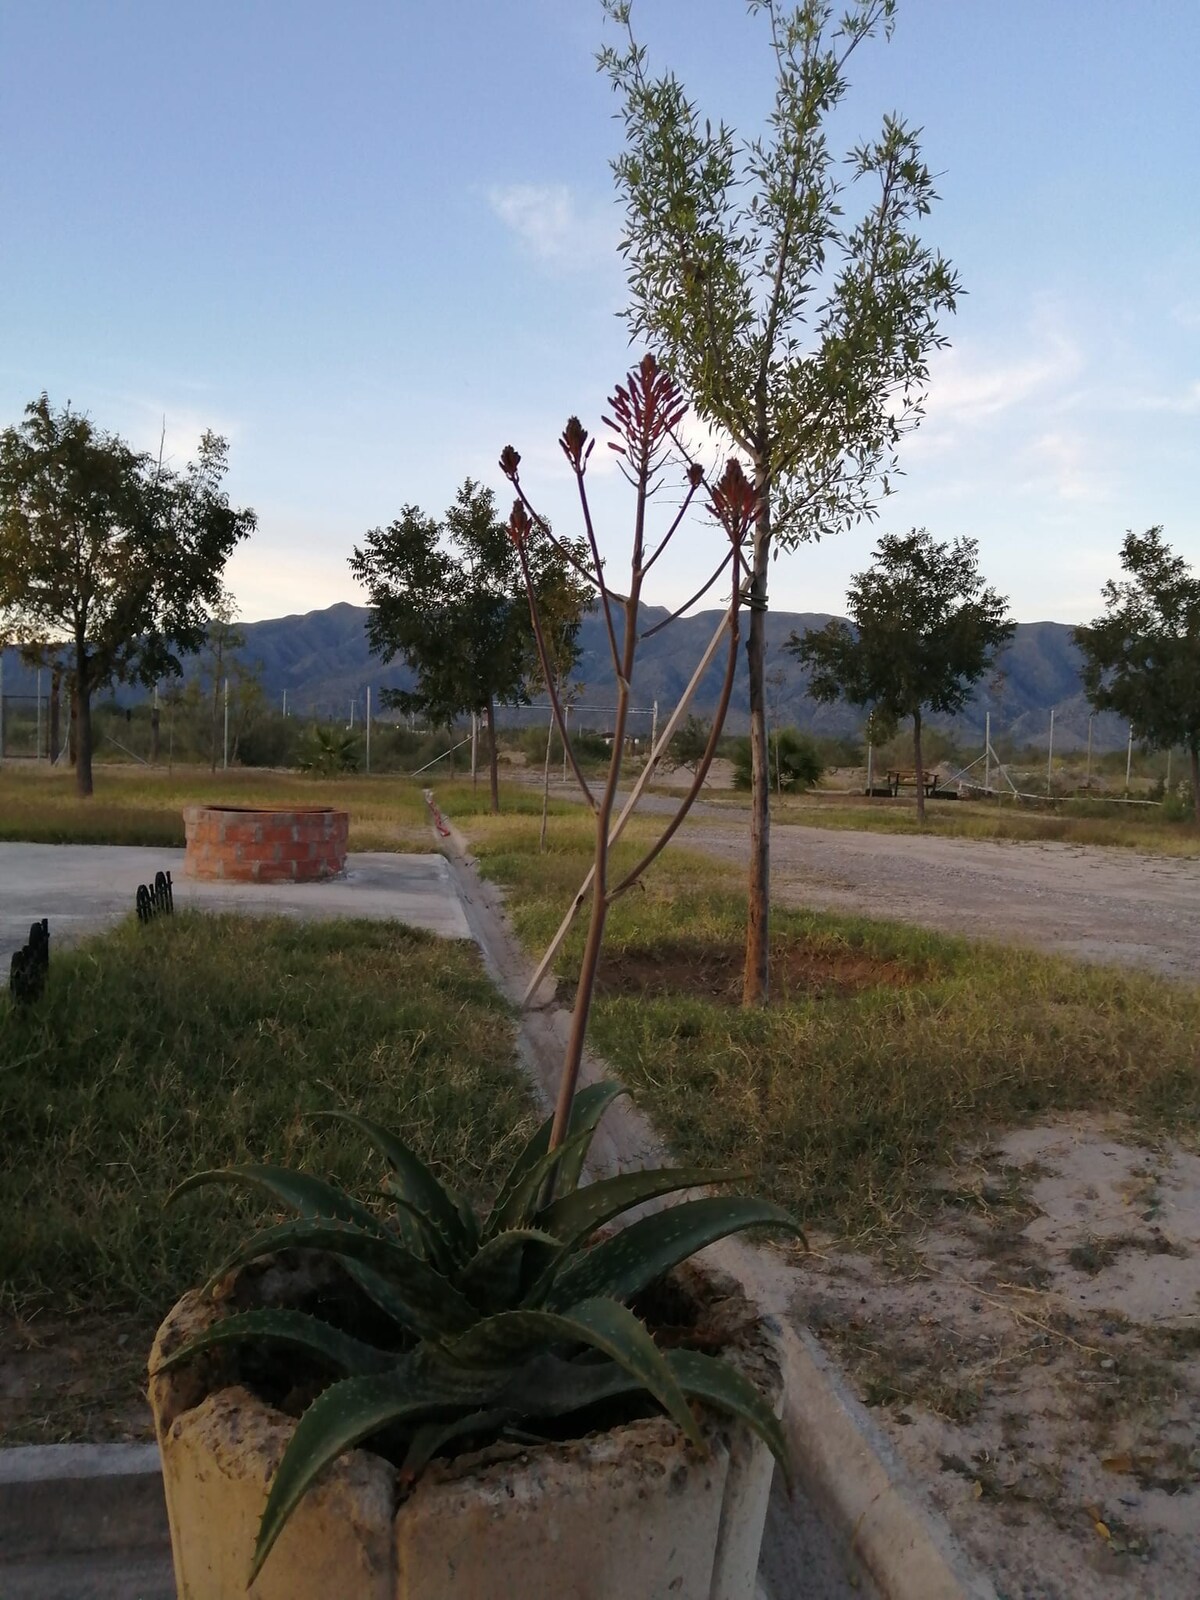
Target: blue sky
{"x": 372, "y": 243}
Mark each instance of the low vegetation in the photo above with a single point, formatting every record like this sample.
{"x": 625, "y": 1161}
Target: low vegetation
{"x": 202, "y": 1041}
{"x": 885, "y": 1046}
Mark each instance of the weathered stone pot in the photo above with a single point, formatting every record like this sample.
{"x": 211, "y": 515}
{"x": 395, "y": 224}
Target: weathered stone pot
{"x": 632, "y": 1514}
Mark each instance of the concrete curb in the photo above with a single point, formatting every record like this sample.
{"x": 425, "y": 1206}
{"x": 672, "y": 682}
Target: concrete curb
{"x": 843, "y": 1463}
{"x": 80, "y": 1499}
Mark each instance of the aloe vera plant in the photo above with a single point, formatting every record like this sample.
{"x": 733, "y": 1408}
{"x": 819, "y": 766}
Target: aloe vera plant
{"x": 502, "y": 1321}
{"x": 514, "y": 1320}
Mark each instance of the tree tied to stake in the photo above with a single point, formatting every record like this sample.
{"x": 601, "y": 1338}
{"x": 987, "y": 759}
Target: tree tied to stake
{"x": 799, "y": 330}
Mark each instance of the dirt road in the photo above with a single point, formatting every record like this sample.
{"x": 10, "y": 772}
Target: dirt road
{"x": 1111, "y": 906}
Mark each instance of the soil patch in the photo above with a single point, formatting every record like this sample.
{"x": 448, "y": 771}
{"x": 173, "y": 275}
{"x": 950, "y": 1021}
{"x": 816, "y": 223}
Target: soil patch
{"x": 1034, "y": 1355}
{"x": 714, "y": 972}
{"x": 69, "y": 1378}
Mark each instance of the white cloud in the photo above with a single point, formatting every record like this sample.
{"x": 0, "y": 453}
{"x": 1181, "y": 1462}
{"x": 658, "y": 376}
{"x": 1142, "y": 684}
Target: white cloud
{"x": 553, "y": 228}
{"x": 968, "y": 384}
{"x": 1068, "y": 464}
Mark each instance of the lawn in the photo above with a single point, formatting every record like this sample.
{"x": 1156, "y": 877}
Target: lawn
{"x": 194, "y": 1042}
{"x": 886, "y": 1048}
{"x": 144, "y": 806}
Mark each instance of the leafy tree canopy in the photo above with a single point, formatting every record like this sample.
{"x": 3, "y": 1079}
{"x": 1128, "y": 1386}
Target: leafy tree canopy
{"x": 109, "y": 561}
{"x": 925, "y": 630}
{"x": 1142, "y": 658}
{"x": 448, "y": 598}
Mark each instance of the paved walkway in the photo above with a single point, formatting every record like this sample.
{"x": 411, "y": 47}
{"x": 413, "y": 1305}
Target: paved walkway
{"x": 84, "y": 888}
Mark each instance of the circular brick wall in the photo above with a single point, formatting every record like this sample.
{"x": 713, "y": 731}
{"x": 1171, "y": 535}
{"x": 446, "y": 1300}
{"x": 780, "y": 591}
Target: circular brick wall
{"x": 245, "y": 846}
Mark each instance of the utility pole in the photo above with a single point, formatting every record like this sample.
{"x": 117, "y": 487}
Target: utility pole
{"x": 1129, "y": 760}
{"x": 285, "y": 702}
{"x": 1087, "y": 782}
{"x": 225, "y": 747}
{"x": 1, "y": 703}
{"x": 987, "y": 752}
{"x": 1050, "y": 756}
{"x": 154, "y": 726}
{"x": 870, "y": 769}
{"x": 368, "y": 730}
{"x": 37, "y": 749}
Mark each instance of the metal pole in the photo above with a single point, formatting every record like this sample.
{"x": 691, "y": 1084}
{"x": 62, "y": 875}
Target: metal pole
{"x": 1, "y": 703}
{"x": 368, "y": 730}
{"x": 154, "y": 727}
{"x": 654, "y": 726}
{"x": 474, "y": 746}
{"x": 1050, "y": 756}
{"x": 285, "y": 702}
{"x": 1129, "y": 759}
{"x": 1087, "y": 782}
{"x": 987, "y": 753}
{"x": 37, "y": 749}
{"x": 352, "y": 713}
{"x": 225, "y": 746}
{"x": 1167, "y": 783}
{"x": 870, "y": 768}
{"x": 567, "y": 726}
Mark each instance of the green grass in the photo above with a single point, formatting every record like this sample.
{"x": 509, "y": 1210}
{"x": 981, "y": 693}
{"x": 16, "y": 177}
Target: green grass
{"x": 1068, "y": 822}
{"x": 886, "y": 1047}
{"x": 200, "y": 1041}
{"x": 143, "y": 806}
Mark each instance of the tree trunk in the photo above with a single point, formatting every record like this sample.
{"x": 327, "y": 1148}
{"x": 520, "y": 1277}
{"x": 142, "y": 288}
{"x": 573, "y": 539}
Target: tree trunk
{"x": 756, "y": 974}
{"x": 1194, "y": 764}
{"x": 83, "y": 733}
{"x": 493, "y": 759}
{"x": 55, "y": 702}
{"x": 73, "y": 728}
{"x": 919, "y": 766}
{"x": 546, "y": 785}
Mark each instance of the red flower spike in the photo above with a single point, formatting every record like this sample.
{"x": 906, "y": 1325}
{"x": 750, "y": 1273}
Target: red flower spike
{"x": 575, "y": 444}
{"x": 510, "y": 460}
{"x": 646, "y": 409}
{"x": 520, "y": 524}
{"x": 734, "y": 503}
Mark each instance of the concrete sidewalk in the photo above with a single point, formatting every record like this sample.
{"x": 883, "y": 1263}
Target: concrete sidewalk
{"x": 84, "y": 888}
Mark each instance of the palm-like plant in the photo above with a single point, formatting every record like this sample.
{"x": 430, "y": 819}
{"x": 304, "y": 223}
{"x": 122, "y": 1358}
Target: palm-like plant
{"x": 498, "y": 1322}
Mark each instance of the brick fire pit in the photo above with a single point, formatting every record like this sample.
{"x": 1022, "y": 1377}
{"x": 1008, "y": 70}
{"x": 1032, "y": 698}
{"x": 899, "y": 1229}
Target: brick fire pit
{"x": 237, "y": 844}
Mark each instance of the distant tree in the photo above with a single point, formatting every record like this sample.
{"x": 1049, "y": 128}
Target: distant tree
{"x": 925, "y": 631}
{"x": 328, "y": 752}
{"x": 1142, "y": 658}
{"x": 110, "y": 555}
{"x": 690, "y": 742}
{"x": 448, "y": 598}
{"x": 795, "y": 762}
{"x": 798, "y": 317}
{"x": 222, "y": 640}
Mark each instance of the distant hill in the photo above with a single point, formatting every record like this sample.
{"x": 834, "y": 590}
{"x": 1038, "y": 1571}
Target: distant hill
{"x": 321, "y": 660}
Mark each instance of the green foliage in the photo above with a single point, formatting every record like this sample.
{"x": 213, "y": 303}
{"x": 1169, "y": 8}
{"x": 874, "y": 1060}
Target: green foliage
{"x": 506, "y": 1320}
{"x": 1142, "y": 658}
{"x": 688, "y": 745}
{"x": 327, "y": 752}
{"x": 109, "y": 562}
{"x": 925, "y": 631}
{"x": 795, "y": 764}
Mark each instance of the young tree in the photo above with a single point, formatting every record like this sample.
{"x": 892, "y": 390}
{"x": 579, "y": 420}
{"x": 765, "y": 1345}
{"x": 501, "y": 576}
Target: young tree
{"x": 925, "y": 631}
{"x": 1142, "y": 658}
{"x": 802, "y": 333}
{"x": 112, "y": 554}
{"x": 449, "y": 599}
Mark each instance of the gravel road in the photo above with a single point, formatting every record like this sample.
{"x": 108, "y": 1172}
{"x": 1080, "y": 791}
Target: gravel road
{"x": 1115, "y": 907}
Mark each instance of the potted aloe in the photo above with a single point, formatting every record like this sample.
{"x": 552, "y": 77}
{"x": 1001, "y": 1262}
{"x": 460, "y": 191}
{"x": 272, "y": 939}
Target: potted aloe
{"x": 400, "y": 1395}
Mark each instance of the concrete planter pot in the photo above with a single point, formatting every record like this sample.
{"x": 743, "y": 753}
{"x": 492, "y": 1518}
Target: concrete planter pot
{"x": 631, "y": 1514}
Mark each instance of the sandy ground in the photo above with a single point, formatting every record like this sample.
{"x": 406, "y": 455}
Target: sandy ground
{"x": 1034, "y": 1356}
{"x": 1121, "y": 907}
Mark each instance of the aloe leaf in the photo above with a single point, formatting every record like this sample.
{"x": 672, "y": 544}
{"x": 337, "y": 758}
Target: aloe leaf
{"x": 341, "y": 1417}
{"x": 589, "y": 1106}
{"x": 431, "y": 1437}
{"x": 520, "y": 1207}
{"x": 492, "y": 1280}
{"x": 585, "y": 1113}
{"x": 631, "y": 1260}
{"x": 602, "y": 1324}
{"x": 427, "y": 1302}
{"x": 416, "y": 1182}
{"x": 295, "y": 1328}
{"x": 307, "y": 1196}
{"x": 573, "y": 1216}
{"x": 719, "y": 1384}
{"x": 420, "y": 1231}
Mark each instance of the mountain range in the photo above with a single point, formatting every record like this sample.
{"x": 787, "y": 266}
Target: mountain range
{"x": 321, "y": 661}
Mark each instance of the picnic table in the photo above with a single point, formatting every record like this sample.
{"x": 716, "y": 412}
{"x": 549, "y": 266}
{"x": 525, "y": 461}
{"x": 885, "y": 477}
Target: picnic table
{"x": 897, "y": 776}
